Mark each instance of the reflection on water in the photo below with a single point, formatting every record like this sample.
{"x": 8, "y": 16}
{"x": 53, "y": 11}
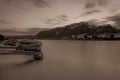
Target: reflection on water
{"x": 26, "y": 63}
{"x": 66, "y": 60}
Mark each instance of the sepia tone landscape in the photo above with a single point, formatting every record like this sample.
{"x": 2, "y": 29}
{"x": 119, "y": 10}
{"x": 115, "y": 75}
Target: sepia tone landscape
{"x": 59, "y": 39}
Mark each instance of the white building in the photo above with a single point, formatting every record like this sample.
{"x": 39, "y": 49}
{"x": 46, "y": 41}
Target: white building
{"x": 117, "y": 35}
{"x": 81, "y": 36}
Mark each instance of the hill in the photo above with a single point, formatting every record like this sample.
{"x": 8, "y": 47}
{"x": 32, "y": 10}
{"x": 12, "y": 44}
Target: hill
{"x": 67, "y": 32}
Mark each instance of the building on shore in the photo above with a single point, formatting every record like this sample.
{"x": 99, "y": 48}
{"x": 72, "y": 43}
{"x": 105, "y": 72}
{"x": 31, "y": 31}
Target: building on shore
{"x": 112, "y": 36}
{"x": 85, "y": 36}
{"x": 117, "y": 35}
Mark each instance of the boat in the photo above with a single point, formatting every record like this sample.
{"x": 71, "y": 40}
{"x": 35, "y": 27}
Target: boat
{"x": 24, "y": 47}
{"x": 11, "y": 42}
{"x": 30, "y": 45}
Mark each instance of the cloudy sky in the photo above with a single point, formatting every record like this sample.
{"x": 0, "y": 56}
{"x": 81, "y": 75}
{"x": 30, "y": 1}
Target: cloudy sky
{"x": 32, "y": 15}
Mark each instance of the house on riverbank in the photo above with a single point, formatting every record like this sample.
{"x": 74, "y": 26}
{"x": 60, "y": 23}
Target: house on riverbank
{"x": 84, "y": 36}
{"x": 112, "y": 36}
{"x": 117, "y": 35}
{"x": 105, "y": 36}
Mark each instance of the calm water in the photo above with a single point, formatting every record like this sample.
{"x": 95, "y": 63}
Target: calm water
{"x": 66, "y": 60}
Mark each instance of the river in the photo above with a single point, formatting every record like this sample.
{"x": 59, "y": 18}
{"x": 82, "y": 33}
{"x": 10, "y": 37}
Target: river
{"x": 66, "y": 60}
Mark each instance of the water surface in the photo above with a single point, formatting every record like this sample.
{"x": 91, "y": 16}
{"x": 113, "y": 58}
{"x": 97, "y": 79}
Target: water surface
{"x": 66, "y": 60}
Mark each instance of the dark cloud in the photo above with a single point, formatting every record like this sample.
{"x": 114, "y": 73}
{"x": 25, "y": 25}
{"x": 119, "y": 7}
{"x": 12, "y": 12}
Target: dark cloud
{"x": 57, "y": 20}
{"x": 37, "y": 3}
{"x": 14, "y": 1}
{"x": 90, "y": 5}
{"x": 35, "y": 30}
{"x": 41, "y": 3}
{"x": 94, "y": 3}
{"x": 115, "y": 19}
{"x": 2, "y": 21}
{"x": 90, "y": 12}
{"x": 8, "y": 0}
{"x": 63, "y": 17}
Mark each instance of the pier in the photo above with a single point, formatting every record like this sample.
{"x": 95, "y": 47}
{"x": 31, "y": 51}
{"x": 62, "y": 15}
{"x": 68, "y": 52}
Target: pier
{"x": 11, "y": 50}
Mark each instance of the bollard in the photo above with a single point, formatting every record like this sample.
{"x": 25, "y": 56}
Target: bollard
{"x": 38, "y": 55}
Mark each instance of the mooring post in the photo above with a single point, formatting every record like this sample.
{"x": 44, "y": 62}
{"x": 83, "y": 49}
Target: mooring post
{"x": 38, "y": 55}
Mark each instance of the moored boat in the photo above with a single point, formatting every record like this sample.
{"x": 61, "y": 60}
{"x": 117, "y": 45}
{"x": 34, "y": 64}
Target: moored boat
{"x": 31, "y": 45}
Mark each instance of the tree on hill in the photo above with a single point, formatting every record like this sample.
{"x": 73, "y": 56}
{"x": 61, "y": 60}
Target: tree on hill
{"x": 2, "y": 37}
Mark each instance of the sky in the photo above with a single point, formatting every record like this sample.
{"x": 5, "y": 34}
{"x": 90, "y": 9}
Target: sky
{"x": 30, "y": 16}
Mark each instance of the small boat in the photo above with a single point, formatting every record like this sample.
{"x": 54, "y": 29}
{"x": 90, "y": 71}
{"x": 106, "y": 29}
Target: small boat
{"x": 11, "y": 42}
{"x": 30, "y": 45}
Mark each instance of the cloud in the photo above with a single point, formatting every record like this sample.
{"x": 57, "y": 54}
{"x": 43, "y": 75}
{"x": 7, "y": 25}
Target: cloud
{"x": 90, "y": 4}
{"x": 57, "y": 20}
{"x": 98, "y": 22}
{"x": 35, "y": 30}
{"x": 115, "y": 9}
{"x": 115, "y": 19}
{"x": 3, "y": 21}
{"x": 11, "y": 32}
{"x": 90, "y": 12}
{"x": 94, "y": 3}
{"x": 37, "y": 3}
{"x": 14, "y": 1}
{"x": 29, "y": 31}
{"x": 8, "y": 0}
{"x": 41, "y": 3}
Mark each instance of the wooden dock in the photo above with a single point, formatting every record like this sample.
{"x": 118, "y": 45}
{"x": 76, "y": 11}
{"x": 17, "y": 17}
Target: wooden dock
{"x": 15, "y": 52}
{"x": 11, "y": 50}
{"x": 7, "y": 47}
